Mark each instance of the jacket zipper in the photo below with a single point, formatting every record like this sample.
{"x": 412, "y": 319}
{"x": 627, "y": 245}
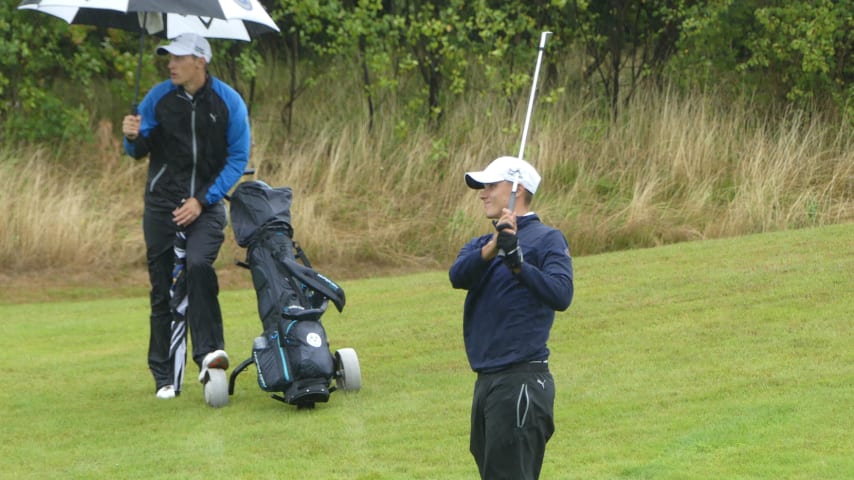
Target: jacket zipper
{"x": 195, "y": 155}
{"x": 195, "y": 152}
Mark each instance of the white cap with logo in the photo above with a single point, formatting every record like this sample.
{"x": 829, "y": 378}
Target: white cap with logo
{"x": 509, "y": 169}
{"x": 188, "y": 44}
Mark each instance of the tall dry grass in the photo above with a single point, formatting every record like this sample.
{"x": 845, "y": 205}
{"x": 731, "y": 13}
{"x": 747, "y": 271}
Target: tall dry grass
{"x": 675, "y": 167}
{"x": 80, "y": 211}
{"x": 683, "y": 167}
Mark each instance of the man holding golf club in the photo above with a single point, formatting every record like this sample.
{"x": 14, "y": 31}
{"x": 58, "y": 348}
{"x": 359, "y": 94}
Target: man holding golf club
{"x": 517, "y": 277}
{"x": 195, "y": 130}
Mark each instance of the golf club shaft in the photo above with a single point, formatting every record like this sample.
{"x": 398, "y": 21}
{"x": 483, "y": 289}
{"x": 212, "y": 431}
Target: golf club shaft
{"x": 543, "y": 38}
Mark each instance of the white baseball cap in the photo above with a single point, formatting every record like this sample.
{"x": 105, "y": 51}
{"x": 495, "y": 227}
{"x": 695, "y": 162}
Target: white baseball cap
{"x": 506, "y": 168}
{"x": 188, "y": 44}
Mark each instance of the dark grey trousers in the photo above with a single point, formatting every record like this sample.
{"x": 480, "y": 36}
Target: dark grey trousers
{"x": 512, "y": 419}
{"x": 204, "y": 318}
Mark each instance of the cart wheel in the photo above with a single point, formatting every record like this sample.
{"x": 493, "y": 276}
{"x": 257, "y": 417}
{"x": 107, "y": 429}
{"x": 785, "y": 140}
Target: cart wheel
{"x": 348, "y": 376}
{"x": 216, "y": 388}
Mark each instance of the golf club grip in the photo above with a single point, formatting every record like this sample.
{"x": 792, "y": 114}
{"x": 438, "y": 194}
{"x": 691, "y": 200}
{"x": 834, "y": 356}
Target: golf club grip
{"x": 513, "y": 191}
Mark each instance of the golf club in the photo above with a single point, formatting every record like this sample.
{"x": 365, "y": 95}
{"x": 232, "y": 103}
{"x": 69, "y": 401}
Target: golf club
{"x": 543, "y": 37}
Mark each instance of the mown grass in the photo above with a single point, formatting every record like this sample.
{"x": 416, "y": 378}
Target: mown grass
{"x": 705, "y": 360}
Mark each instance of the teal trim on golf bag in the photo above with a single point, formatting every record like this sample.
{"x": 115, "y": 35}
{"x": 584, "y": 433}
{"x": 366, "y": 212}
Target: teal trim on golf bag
{"x": 272, "y": 365}
{"x": 281, "y": 351}
{"x": 288, "y": 329}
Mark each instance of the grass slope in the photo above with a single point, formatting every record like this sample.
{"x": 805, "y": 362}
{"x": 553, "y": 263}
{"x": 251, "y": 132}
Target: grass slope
{"x": 706, "y": 360}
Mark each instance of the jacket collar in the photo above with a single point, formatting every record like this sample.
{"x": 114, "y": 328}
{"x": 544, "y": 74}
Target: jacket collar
{"x": 200, "y": 92}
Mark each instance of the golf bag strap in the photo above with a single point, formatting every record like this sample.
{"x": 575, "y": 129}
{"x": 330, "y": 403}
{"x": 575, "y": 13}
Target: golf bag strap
{"x": 300, "y": 254}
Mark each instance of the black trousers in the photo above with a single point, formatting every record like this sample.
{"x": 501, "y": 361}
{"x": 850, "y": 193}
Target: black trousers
{"x": 204, "y": 317}
{"x": 512, "y": 419}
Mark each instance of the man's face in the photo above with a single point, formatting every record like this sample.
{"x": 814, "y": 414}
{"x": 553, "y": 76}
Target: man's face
{"x": 495, "y": 196}
{"x": 184, "y": 69}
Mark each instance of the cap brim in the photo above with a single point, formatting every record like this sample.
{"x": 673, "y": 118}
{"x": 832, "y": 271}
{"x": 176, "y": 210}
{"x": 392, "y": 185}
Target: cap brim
{"x": 174, "y": 50}
{"x": 472, "y": 183}
{"x": 165, "y": 50}
{"x": 477, "y": 180}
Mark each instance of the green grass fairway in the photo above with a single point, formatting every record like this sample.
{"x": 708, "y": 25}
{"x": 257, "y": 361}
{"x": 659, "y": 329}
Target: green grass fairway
{"x": 726, "y": 359}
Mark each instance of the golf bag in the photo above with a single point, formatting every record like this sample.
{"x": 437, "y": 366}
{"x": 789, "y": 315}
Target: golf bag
{"x": 292, "y": 353}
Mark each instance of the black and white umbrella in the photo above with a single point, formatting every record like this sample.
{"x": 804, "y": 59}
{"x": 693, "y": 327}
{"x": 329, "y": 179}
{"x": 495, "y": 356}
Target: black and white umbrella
{"x": 226, "y": 19}
{"x": 178, "y": 303}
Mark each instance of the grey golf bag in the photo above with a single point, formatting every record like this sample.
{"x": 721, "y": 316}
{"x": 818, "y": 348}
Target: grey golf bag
{"x": 291, "y": 355}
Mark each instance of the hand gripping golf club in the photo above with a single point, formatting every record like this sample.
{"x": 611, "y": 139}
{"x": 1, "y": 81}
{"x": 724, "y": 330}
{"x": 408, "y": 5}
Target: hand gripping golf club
{"x": 543, "y": 37}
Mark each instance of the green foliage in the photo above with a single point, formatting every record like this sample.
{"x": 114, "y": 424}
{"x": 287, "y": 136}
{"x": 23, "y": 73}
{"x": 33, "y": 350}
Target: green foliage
{"x": 431, "y": 53}
{"x": 310, "y": 37}
{"x": 435, "y": 47}
{"x": 50, "y": 71}
{"x": 807, "y": 46}
{"x": 508, "y": 36}
{"x": 711, "y": 42}
{"x": 48, "y": 119}
{"x": 424, "y": 51}
{"x": 798, "y": 52}
{"x": 31, "y": 57}
{"x": 629, "y": 43}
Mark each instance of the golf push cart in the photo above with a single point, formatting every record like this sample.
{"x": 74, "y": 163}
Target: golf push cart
{"x": 292, "y": 355}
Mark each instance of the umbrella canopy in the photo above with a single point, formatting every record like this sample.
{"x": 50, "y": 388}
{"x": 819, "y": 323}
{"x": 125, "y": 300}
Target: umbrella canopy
{"x": 230, "y": 19}
{"x": 181, "y": 7}
{"x": 227, "y": 19}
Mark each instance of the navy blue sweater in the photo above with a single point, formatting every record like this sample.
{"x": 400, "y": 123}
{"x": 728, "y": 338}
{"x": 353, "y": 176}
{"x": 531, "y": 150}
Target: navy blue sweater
{"x": 507, "y": 318}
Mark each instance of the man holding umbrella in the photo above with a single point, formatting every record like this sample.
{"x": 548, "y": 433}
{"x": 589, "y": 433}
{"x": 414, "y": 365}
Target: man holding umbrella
{"x": 516, "y": 278}
{"x": 195, "y": 130}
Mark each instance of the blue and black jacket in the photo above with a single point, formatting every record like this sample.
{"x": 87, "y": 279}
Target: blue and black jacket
{"x": 507, "y": 318}
{"x": 197, "y": 146}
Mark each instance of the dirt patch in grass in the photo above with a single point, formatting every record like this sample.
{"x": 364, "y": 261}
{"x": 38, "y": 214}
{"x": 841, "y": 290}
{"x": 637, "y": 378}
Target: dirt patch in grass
{"x": 63, "y": 284}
